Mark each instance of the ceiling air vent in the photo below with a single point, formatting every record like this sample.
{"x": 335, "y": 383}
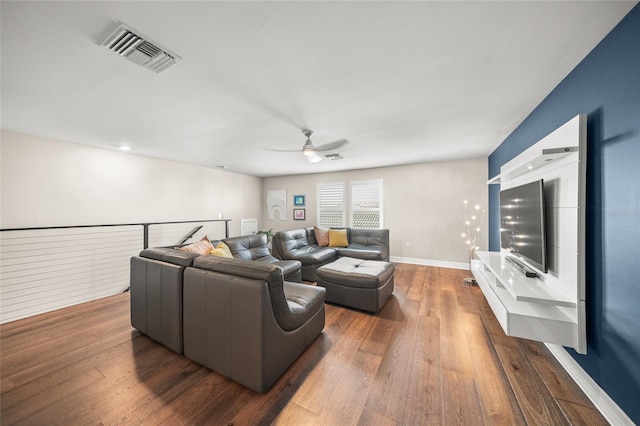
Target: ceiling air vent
{"x": 127, "y": 42}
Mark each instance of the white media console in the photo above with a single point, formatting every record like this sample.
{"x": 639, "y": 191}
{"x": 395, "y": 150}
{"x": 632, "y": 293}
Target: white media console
{"x": 551, "y": 307}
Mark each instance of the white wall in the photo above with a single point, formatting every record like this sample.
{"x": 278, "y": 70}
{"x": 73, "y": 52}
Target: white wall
{"x": 46, "y": 183}
{"x": 52, "y": 183}
{"x": 423, "y": 204}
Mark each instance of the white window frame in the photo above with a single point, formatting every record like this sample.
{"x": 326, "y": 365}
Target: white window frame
{"x": 373, "y": 186}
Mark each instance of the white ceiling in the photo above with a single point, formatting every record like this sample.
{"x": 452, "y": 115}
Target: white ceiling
{"x": 404, "y": 82}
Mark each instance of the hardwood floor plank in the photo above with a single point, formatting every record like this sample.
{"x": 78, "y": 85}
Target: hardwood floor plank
{"x": 382, "y": 331}
{"x": 554, "y": 376}
{"x": 14, "y": 410}
{"x": 181, "y": 410}
{"x": 433, "y": 355}
{"x": 388, "y": 393}
{"x": 6, "y": 384}
{"x": 461, "y": 403}
{"x": 38, "y": 340}
{"x": 535, "y": 400}
{"x": 295, "y": 415}
{"x": 17, "y": 336}
{"x": 39, "y": 322}
{"x": 430, "y": 304}
{"x": 347, "y": 334}
{"x": 496, "y": 396}
{"x": 371, "y": 416}
{"x": 447, "y": 279}
{"x": 135, "y": 403}
{"x": 416, "y": 284}
{"x": 118, "y": 379}
{"x": 424, "y": 394}
{"x": 220, "y": 406}
{"x": 345, "y": 406}
{"x": 493, "y": 327}
{"x": 455, "y": 354}
{"x": 52, "y": 381}
{"x": 578, "y": 414}
{"x": 65, "y": 359}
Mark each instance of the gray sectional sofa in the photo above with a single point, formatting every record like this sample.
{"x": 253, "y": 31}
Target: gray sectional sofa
{"x": 301, "y": 245}
{"x": 240, "y": 317}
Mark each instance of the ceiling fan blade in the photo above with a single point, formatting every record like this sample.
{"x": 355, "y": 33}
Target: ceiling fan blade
{"x": 332, "y": 146}
{"x": 283, "y": 150}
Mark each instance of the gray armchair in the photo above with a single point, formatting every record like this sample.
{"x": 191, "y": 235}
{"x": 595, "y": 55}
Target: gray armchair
{"x": 156, "y": 294}
{"x": 245, "y": 322}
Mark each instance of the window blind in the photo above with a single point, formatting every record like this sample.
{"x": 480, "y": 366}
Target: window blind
{"x": 331, "y": 205}
{"x": 366, "y": 204}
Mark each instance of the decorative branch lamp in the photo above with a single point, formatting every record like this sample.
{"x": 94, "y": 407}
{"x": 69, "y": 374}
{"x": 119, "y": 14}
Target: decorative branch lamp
{"x": 473, "y": 222}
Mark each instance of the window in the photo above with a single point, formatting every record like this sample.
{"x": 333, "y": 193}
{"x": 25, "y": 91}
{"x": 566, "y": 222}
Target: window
{"x": 366, "y": 204}
{"x": 331, "y": 205}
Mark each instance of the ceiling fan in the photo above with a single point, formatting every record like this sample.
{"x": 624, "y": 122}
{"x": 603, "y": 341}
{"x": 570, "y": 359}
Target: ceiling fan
{"x": 314, "y": 153}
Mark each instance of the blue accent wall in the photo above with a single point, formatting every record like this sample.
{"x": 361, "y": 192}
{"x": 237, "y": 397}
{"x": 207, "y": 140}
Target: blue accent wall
{"x": 606, "y": 87}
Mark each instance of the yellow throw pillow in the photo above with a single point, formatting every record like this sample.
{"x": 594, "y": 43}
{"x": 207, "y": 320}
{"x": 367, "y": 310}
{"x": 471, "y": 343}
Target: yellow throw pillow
{"x": 201, "y": 247}
{"x": 221, "y": 250}
{"x": 322, "y": 235}
{"x": 338, "y": 238}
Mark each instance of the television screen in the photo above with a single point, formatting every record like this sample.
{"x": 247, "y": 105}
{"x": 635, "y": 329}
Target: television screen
{"x": 522, "y": 223}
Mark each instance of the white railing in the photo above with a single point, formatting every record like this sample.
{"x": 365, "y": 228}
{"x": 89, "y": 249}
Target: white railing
{"x": 44, "y": 269}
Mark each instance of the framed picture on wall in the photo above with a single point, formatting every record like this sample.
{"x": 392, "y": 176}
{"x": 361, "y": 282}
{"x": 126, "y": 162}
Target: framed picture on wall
{"x": 298, "y": 200}
{"x": 298, "y": 214}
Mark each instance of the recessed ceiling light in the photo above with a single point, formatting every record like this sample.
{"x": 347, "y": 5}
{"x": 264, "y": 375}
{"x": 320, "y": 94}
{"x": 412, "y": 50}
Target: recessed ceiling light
{"x": 125, "y": 148}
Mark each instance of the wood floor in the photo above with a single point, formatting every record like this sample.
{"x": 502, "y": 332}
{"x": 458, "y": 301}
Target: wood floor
{"x": 434, "y": 355}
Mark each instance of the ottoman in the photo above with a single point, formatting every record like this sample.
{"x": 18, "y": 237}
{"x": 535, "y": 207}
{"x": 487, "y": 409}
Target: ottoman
{"x": 357, "y": 283}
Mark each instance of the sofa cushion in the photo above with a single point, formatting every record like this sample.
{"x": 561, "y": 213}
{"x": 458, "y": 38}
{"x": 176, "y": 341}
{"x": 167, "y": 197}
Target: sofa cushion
{"x": 203, "y": 246}
{"x": 311, "y": 255}
{"x": 249, "y": 247}
{"x": 371, "y": 239}
{"x": 303, "y": 301}
{"x": 338, "y": 238}
{"x": 322, "y": 235}
{"x": 221, "y": 250}
{"x": 360, "y": 251}
{"x": 290, "y": 268}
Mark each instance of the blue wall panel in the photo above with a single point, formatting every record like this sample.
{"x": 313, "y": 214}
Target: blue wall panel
{"x": 605, "y": 86}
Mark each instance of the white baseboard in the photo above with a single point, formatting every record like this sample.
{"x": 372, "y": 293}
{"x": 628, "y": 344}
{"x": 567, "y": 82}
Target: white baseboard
{"x": 428, "y": 262}
{"x": 603, "y": 402}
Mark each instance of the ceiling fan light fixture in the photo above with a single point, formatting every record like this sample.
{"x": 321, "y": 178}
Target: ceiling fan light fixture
{"x": 313, "y": 157}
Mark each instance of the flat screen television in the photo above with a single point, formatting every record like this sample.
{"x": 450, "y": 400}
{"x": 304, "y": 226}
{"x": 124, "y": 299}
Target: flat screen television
{"x": 523, "y": 225}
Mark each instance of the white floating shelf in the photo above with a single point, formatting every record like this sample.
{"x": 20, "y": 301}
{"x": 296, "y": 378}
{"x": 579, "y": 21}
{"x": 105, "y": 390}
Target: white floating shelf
{"x": 528, "y": 320}
{"x": 522, "y": 288}
{"x": 546, "y": 157}
{"x": 494, "y": 180}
